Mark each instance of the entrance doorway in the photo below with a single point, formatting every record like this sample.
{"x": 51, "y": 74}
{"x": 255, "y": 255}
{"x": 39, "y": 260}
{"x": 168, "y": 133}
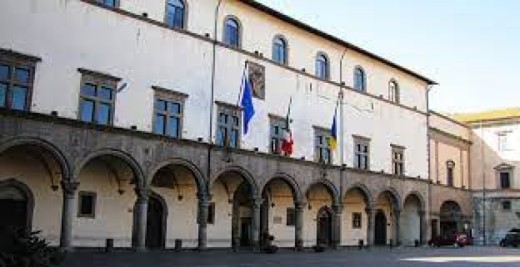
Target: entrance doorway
{"x": 155, "y": 223}
{"x": 380, "y": 229}
{"x": 324, "y": 227}
{"x": 14, "y": 203}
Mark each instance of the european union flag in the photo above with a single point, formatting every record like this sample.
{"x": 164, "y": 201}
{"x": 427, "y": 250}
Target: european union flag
{"x": 247, "y": 102}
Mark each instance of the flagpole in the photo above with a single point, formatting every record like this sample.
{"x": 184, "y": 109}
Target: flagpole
{"x": 242, "y": 83}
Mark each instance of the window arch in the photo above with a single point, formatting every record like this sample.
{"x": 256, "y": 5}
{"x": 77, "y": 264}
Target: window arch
{"x": 393, "y": 91}
{"x": 280, "y": 50}
{"x": 360, "y": 82}
{"x": 450, "y": 172}
{"x": 232, "y": 32}
{"x": 176, "y": 13}
{"x": 322, "y": 66}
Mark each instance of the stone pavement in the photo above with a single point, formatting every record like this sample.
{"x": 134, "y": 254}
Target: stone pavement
{"x": 379, "y": 257}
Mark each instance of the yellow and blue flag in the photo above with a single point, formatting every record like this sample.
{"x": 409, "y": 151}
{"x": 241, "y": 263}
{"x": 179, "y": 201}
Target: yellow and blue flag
{"x": 333, "y": 140}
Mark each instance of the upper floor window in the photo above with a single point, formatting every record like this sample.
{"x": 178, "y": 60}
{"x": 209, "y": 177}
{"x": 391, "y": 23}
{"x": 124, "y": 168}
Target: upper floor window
{"x": 503, "y": 141}
{"x": 16, "y": 80}
{"x": 361, "y": 153}
{"x": 450, "y": 172}
{"x": 280, "y": 50}
{"x": 323, "y": 152}
{"x": 360, "y": 83}
{"x": 505, "y": 179}
{"x": 97, "y": 97}
{"x": 109, "y": 3}
{"x": 168, "y": 112}
{"x": 397, "y": 160}
{"x": 393, "y": 92}
{"x": 229, "y": 126}
{"x": 175, "y": 13}
{"x": 322, "y": 66}
{"x": 277, "y": 132}
{"x": 232, "y": 32}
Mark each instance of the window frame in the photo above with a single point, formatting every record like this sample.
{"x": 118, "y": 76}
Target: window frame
{"x": 102, "y": 2}
{"x": 82, "y": 194}
{"x": 396, "y": 149}
{"x": 290, "y": 219}
{"x": 285, "y": 60}
{"x": 273, "y": 122}
{"x": 363, "y": 141}
{"x": 394, "y": 93}
{"x": 324, "y": 134}
{"x": 239, "y": 32}
{"x": 450, "y": 173}
{"x": 167, "y": 95}
{"x": 99, "y": 80}
{"x": 211, "y": 219}
{"x": 230, "y": 110}
{"x": 357, "y": 224}
{"x": 508, "y": 207}
{"x": 14, "y": 60}
{"x": 505, "y": 168}
{"x": 322, "y": 55}
{"x": 184, "y": 15}
{"x": 364, "y": 86}
{"x": 503, "y": 146}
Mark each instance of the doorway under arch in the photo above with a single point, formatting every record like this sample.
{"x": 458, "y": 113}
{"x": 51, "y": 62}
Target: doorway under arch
{"x": 324, "y": 227}
{"x": 16, "y": 201}
{"x": 156, "y": 223}
{"x": 380, "y": 229}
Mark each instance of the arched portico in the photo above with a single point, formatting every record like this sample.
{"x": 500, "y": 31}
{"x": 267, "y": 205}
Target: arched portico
{"x": 321, "y": 196}
{"x": 356, "y": 223}
{"x": 412, "y": 220}
{"x": 387, "y": 217}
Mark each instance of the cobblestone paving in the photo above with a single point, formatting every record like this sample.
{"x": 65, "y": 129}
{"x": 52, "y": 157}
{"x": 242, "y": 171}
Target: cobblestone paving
{"x": 378, "y": 257}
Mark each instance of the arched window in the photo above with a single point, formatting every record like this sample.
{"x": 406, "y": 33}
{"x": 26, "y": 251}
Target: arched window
{"x": 232, "y": 32}
{"x": 450, "y": 172}
{"x": 280, "y": 50}
{"x": 393, "y": 92}
{"x": 175, "y": 13}
{"x": 322, "y": 66}
{"x": 360, "y": 83}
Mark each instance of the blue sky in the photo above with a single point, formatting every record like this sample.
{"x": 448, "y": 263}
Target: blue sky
{"x": 471, "y": 47}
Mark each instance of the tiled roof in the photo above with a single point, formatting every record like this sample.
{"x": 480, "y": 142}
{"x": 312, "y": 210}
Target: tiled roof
{"x": 490, "y": 115}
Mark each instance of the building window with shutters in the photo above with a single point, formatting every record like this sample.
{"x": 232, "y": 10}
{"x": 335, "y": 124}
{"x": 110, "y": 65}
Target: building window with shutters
{"x": 97, "y": 97}
{"x": 361, "y": 153}
{"x": 168, "y": 112}
{"x": 398, "y": 160}
{"x": 229, "y": 125}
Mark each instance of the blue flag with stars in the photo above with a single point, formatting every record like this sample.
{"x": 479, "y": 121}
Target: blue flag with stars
{"x": 247, "y": 102}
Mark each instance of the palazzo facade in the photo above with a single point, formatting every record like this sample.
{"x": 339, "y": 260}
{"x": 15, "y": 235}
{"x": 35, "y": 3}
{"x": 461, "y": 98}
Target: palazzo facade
{"x": 120, "y": 120}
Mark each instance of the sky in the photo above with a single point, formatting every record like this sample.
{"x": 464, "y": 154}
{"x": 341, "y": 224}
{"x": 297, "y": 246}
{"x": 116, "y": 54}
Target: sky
{"x": 470, "y": 47}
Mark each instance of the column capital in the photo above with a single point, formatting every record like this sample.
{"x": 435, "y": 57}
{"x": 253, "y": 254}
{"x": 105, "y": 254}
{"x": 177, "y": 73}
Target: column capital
{"x": 142, "y": 194}
{"x": 299, "y": 205}
{"x": 337, "y": 208}
{"x": 257, "y": 202}
{"x": 69, "y": 187}
{"x": 369, "y": 210}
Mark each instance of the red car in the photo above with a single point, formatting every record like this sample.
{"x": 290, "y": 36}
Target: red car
{"x": 456, "y": 240}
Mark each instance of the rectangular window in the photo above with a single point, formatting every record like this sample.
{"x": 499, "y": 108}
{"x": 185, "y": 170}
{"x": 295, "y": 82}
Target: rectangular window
{"x": 168, "y": 112}
{"x": 505, "y": 180}
{"x": 503, "y": 142}
{"x": 109, "y": 3}
{"x": 276, "y": 133}
{"x": 356, "y": 220}
{"x": 322, "y": 152}
{"x": 398, "y": 160}
{"x": 229, "y": 126}
{"x": 211, "y": 213}
{"x": 291, "y": 217}
{"x": 506, "y": 205}
{"x": 16, "y": 80}
{"x": 361, "y": 153}
{"x": 97, "y": 97}
{"x": 87, "y": 204}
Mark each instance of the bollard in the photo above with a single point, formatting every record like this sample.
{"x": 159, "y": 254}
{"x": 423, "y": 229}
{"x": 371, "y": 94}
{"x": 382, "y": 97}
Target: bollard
{"x": 416, "y": 243}
{"x": 391, "y": 243}
{"x": 109, "y": 245}
{"x": 178, "y": 245}
{"x": 360, "y": 244}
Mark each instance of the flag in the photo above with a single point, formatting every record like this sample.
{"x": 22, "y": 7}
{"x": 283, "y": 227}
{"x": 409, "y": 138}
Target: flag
{"x": 333, "y": 141}
{"x": 247, "y": 101}
{"x": 287, "y": 141}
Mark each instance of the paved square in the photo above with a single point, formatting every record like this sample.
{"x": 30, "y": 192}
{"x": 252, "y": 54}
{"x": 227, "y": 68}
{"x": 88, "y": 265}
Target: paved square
{"x": 381, "y": 257}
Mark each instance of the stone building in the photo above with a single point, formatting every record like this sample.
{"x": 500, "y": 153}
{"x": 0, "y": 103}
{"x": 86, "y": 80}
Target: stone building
{"x": 495, "y": 157}
{"x": 121, "y": 120}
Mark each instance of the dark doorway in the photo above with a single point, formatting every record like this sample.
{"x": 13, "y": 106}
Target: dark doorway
{"x": 324, "y": 221}
{"x": 448, "y": 228}
{"x": 155, "y": 224}
{"x": 380, "y": 229}
{"x": 14, "y": 206}
{"x": 245, "y": 231}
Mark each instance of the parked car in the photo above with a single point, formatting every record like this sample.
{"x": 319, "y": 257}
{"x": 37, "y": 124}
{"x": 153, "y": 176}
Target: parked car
{"x": 512, "y": 239}
{"x": 457, "y": 240}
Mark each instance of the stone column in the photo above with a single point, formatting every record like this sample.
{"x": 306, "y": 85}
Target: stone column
{"x": 298, "y": 225}
{"x": 141, "y": 214}
{"x": 397, "y": 227}
{"x": 370, "y": 226}
{"x": 68, "y": 213}
{"x": 202, "y": 219}
{"x": 257, "y": 203}
{"x": 422, "y": 227}
{"x": 336, "y": 226}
